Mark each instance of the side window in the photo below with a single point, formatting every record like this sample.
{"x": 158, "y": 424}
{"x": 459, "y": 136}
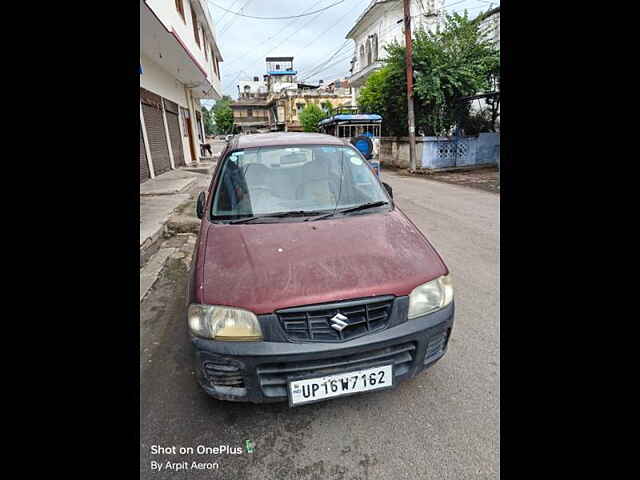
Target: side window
{"x": 196, "y": 32}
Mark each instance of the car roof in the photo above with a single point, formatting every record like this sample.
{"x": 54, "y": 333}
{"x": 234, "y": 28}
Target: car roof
{"x": 278, "y": 139}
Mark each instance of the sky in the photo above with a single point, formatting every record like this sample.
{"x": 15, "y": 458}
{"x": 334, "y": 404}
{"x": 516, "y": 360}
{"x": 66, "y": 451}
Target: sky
{"x": 311, "y": 40}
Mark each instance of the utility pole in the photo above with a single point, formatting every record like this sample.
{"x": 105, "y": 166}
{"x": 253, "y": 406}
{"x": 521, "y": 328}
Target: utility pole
{"x": 409, "y": 62}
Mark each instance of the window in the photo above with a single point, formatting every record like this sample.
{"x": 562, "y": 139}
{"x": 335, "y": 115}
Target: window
{"x": 316, "y": 179}
{"x": 375, "y": 47}
{"x": 204, "y": 41}
{"x": 249, "y": 112}
{"x": 196, "y": 28}
{"x": 180, "y": 9}
{"x": 214, "y": 60}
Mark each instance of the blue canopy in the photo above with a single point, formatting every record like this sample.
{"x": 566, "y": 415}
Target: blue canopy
{"x": 364, "y": 117}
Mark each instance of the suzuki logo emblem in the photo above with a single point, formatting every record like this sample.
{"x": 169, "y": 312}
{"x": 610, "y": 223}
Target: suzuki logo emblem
{"x": 338, "y": 322}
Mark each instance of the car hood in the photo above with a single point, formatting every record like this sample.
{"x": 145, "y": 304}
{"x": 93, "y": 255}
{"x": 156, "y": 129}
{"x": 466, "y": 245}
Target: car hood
{"x": 266, "y": 267}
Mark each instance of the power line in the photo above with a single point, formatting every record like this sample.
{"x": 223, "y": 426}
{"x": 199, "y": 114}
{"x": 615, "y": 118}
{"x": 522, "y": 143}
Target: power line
{"x": 340, "y": 60}
{"x": 242, "y": 57}
{"x": 340, "y": 49}
{"x": 225, "y": 13}
{"x": 278, "y": 18}
{"x": 331, "y": 27}
{"x": 233, "y": 20}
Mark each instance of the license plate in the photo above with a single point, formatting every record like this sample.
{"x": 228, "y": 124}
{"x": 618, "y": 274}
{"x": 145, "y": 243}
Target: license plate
{"x": 321, "y": 388}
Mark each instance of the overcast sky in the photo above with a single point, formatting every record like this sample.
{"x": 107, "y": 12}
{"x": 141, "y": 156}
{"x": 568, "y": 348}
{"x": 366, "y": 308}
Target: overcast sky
{"x": 311, "y": 40}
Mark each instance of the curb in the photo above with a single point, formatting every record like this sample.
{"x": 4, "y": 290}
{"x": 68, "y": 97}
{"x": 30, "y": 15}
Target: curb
{"x": 152, "y": 244}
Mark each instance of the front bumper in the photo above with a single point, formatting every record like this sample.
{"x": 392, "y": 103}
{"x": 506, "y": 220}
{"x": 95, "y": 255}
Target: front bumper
{"x": 259, "y": 371}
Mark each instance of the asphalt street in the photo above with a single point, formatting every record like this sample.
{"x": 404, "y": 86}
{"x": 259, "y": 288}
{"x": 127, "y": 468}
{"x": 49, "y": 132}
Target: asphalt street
{"x": 443, "y": 424}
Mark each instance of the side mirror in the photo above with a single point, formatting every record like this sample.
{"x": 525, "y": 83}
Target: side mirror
{"x": 200, "y": 205}
{"x": 388, "y": 188}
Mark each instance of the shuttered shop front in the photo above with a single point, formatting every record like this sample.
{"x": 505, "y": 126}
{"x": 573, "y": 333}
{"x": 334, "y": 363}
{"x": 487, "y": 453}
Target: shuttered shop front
{"x": 171, "y": 113}
{"x": 144, "y": 166}
{"x": 152, "y": 112}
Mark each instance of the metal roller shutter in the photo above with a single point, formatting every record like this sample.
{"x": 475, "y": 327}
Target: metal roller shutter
{"x": 171, "y": 113}
{"x": 152, "y": 112}
{"x": 144, "y": 167}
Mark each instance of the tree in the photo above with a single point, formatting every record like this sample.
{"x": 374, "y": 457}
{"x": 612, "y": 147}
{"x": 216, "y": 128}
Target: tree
{"x": 209, "y": 122}
{"x": 453, "y": 62}
{"x": 326, "y": 106}
{"x": 380, "y": 95}
{"x": 310, "y": 116}
{"x": 223, "y": 115}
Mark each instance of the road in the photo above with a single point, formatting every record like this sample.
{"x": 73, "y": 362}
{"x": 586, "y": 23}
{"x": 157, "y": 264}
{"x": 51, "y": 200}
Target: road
{"x": 444, "y": 424}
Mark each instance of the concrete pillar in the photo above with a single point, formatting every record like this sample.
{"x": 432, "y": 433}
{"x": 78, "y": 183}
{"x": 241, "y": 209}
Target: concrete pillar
{"x": 194, "y": 127}
{"x": 166, "y": 133}
{"x": 152, "y": 173}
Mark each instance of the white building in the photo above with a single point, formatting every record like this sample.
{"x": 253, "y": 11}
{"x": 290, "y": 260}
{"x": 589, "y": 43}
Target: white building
{"x": 490, "y": 25}
{"x": 381, "y": 24}
{"x": 179, "y": 66}
{"x": 252, "y": 88}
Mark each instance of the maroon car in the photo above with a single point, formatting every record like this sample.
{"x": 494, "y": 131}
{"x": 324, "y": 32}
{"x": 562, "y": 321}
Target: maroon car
{"x": 307, "y": 282}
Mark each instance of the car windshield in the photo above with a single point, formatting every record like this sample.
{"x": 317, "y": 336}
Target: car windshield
{"x": 296, "y": 180}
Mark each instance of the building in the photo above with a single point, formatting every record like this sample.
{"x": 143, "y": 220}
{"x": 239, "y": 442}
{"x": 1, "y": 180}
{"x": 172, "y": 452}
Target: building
{"x": 490, "y": 25}
{"x": 275, "y": 103}
{"x": 252, "y": 88}
{"x": 179, "y": 66}
{"x": 339, "y": 85}
{"x": 380, "y": 25}
{"x": 252, "y": 114}
{"x": 290, "y": 103}
{"x": 280, "y": 74}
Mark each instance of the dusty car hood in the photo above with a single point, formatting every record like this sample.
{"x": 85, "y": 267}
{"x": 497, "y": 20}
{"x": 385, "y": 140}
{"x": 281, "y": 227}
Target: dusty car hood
{"x": 266, "y": 267}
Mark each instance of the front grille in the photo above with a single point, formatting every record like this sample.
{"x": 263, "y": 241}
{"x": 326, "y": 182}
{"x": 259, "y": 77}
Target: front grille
{"x": 273, "y": 377}
{"x": 223, "y": 374}
{"x": 313, "y": 323}
{"x": 436, "y": 345}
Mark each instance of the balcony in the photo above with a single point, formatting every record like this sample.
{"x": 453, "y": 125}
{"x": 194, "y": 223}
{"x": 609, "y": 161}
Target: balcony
{"x": 161, "y": 44}
{"x": 358, "y": 78}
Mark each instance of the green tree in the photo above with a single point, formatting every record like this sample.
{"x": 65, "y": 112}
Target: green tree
{"x": 310, "y": 116}
{"x": 326, "y": 106}
{"x": 381, "y": 94}
{"x": 209, "y": 122}
{"x": 222, "y": 115}
{"x": 453, "y": 62}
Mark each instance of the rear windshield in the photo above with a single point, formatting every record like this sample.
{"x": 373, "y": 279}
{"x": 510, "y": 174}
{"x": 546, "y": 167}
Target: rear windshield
{"x": 259, "y": 181}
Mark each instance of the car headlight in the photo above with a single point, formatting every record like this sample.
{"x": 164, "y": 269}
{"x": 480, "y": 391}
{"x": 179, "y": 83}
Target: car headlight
{"x": 224, "y": 323}
{"x": 430, "y": 296}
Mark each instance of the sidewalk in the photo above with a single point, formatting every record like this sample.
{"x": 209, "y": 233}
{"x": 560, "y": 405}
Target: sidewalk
{"x": 484, "y": 178}
{"x": 160, "y": 197}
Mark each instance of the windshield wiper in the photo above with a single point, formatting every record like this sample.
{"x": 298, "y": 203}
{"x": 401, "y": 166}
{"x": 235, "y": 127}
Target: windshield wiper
{"x": 351, "y": 209}
{"x": 295, "y": 213}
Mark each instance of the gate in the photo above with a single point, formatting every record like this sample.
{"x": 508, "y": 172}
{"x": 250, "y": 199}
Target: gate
{"x": 144, "y": 166}
{"x": 152, "y": 112}
{"x": 171, "y": 113}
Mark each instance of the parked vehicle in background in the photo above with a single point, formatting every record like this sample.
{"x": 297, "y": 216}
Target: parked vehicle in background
{"x": 308, "y": 282}
{"x": 361, "y": 129}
